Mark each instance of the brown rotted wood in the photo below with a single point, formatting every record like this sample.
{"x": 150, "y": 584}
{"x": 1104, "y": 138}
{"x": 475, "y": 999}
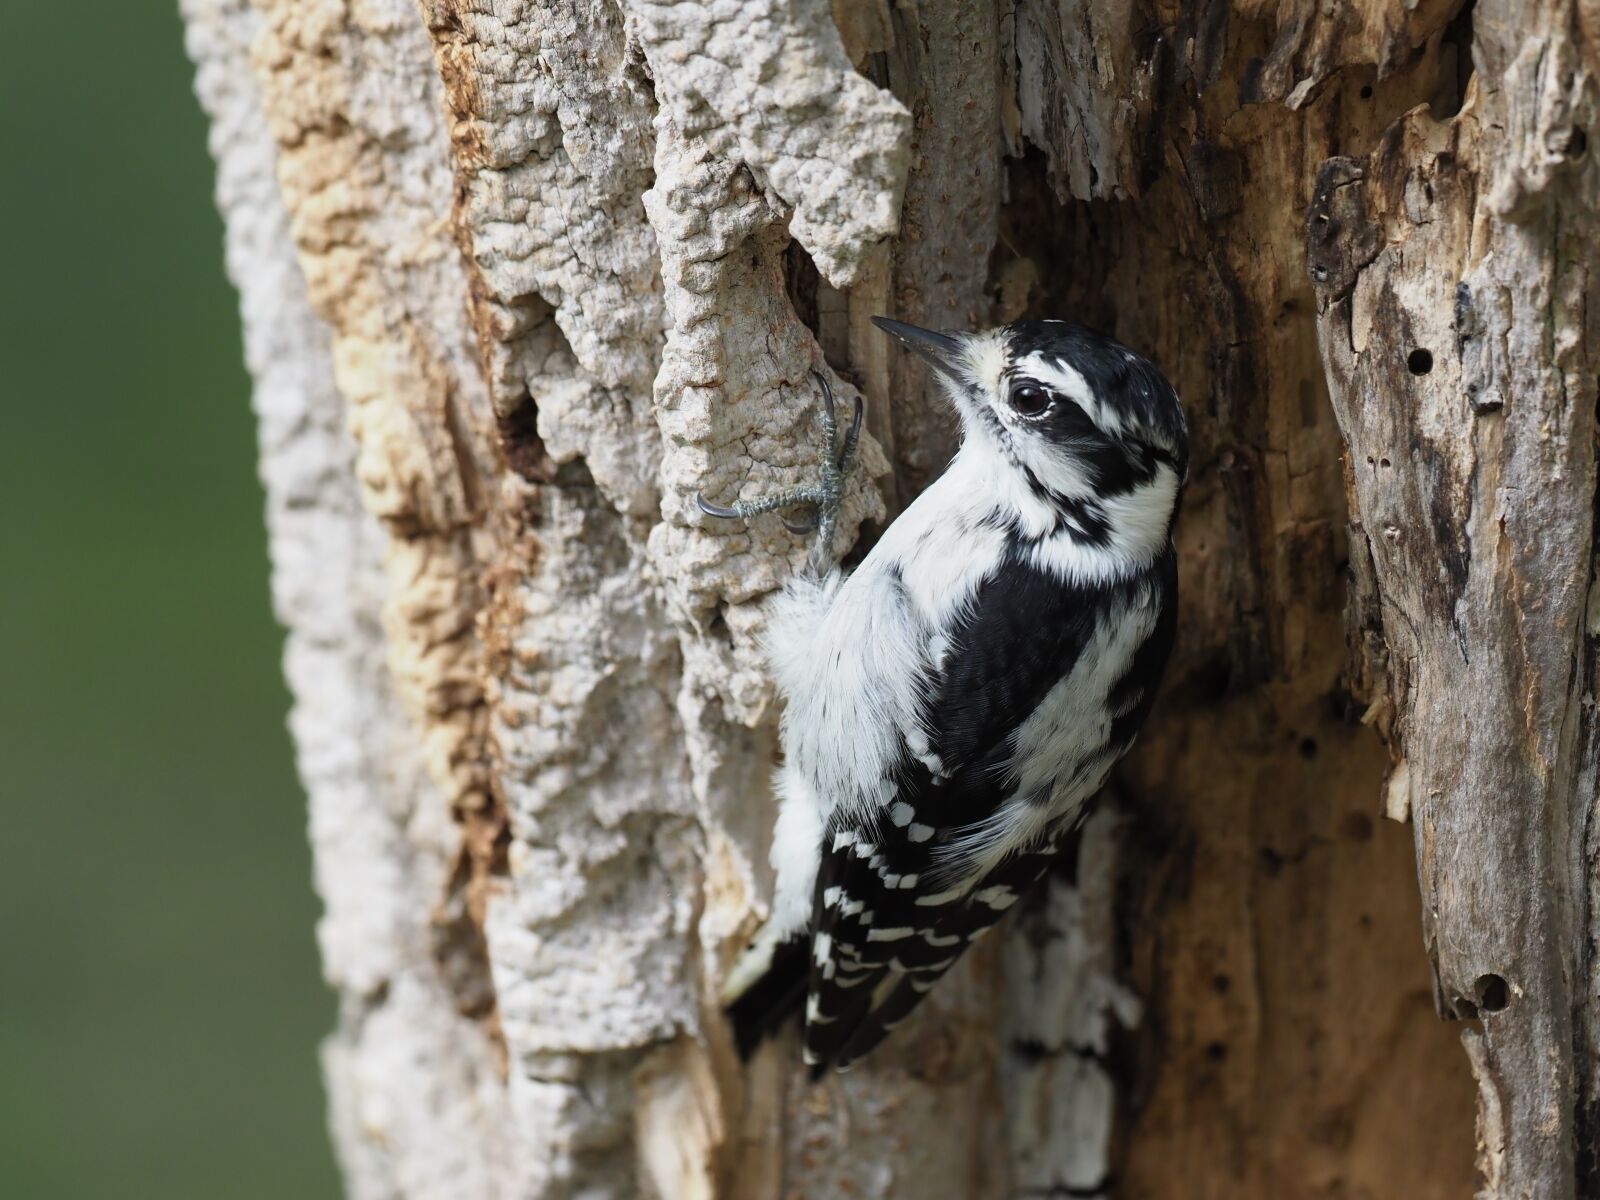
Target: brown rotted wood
{"x": 1268, "y": 917}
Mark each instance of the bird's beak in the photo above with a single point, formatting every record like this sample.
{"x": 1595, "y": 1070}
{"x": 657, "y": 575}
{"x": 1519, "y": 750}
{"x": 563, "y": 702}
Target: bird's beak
{"x": 939, "y": 350}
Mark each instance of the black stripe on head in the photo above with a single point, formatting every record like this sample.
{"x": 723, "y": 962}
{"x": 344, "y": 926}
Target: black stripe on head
{"x": 1117, "y": 467}
{"x": 1084, "y": 519}
{"x": 1121, "y": 380}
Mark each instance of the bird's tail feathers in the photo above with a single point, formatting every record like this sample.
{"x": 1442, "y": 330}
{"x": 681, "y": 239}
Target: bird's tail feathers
{"x": 767, "y": 985}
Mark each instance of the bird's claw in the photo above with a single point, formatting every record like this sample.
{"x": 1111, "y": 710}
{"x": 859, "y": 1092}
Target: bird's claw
{"x": 842, "y": 455}
{"x": 825, "y": 496}
{"x": 715, "y": 510}
{"x": 851, "y": 438}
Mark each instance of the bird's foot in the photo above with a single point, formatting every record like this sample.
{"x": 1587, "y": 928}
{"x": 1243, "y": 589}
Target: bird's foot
{"x": 824, "y": 497}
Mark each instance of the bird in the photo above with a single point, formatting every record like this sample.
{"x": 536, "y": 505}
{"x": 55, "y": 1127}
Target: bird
{"x": 952, "y": 705}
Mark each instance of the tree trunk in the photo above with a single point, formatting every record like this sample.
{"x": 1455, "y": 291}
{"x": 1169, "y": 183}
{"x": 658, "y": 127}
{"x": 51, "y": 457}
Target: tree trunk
{"x": 519, "y": 278}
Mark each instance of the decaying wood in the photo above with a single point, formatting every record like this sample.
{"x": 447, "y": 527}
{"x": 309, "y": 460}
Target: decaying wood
{"x": 558, "y": 265}
{"x": 1455, "y": 265}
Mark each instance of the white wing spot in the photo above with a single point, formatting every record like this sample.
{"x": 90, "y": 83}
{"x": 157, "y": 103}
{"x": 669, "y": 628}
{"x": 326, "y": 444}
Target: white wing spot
{"x": 890, "y": 935}
{"x": 1000, "y": 897}
{"x": 933, "y": 939}
{"x": 844, "y": 838}
{"x": 919, "y": 833}
{"x": 907, "y": 882}
{"x": 900, "y": 815}
{"x": 821, "y": 948}
{"x": 830, "y": 896}
{"x": 814, "y": 1011}
{"x": 934, "y": 899}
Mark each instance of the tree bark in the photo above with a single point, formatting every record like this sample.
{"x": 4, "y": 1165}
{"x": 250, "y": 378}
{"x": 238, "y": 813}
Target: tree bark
{"x": 519, "y": 278}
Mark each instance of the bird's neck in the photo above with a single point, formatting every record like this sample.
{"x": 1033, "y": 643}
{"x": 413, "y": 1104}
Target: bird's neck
{"x": 1067, "y": 520}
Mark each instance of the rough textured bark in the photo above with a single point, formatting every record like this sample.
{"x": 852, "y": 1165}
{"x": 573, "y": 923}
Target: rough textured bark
{"x": 1455, "y": 265}
{"x": 518, "y": 278}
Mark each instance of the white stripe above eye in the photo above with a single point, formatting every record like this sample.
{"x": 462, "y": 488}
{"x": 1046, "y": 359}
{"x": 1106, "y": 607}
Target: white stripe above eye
{"x": 1068, "y": 381}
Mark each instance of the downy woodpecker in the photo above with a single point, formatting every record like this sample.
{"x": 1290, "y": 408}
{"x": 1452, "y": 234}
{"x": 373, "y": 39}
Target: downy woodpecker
{"x": 953, "y": 704}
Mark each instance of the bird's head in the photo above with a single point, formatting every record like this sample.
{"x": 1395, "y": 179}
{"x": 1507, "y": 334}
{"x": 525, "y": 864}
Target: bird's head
{"x": 1084, "y": 419}
{"x": 1075, "y": 407}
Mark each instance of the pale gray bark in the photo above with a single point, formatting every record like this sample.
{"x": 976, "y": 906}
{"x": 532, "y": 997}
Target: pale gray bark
{"x": 518, "y": 278}
{"x": 1456, "y": 270}
{"x": 404, "y": 1067}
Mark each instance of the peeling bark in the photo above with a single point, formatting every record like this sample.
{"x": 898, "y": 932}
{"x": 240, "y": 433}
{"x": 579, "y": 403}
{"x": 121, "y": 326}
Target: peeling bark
{"x": 519, "y": 278}
{"x": 1454, "y": 264}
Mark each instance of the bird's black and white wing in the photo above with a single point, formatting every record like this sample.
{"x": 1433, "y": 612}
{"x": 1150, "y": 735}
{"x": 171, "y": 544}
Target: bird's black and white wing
{"x": 952, "y": 705}
{"x": 1040, "y": 688}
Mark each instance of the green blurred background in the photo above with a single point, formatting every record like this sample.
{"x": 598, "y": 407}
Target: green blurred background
{"x": 160, "y": 1004}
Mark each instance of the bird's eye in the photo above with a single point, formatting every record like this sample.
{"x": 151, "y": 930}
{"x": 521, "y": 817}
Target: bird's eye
{"x": 1029, "y": 399}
